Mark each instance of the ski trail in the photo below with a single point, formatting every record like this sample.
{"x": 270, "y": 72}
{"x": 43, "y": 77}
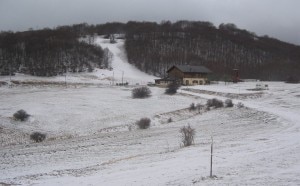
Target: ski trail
{"x": 121, "y": 68}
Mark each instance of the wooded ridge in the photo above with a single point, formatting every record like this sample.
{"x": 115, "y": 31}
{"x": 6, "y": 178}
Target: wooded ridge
{"x": 153, "y": 48}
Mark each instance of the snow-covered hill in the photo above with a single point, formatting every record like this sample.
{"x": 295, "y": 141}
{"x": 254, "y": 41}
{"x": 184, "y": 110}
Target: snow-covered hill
{"x": 92, "y": 138}
{"x": 122, "y": 71}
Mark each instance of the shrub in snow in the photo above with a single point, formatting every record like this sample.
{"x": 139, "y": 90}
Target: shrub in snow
{"x": 21, "y": 115}
{"x": 143, "y": 123}
{"x": 192, "y": 107}
{"x": 3, "y": 83}
{"x": 38, "y": 137}
{"x": 209, "y": 103}
{"x": 240, "y": 105}
{"x": 188, "y": 134}
{"x": 141, "y": 92}
{"x": 214, "y": 103}
{"x": 172, "y": 88}
{"x": 130, "y": 127}
{"x": 228, "y": 103}
{"x": 170, "y": 120}
{"x": 199, "y": 107}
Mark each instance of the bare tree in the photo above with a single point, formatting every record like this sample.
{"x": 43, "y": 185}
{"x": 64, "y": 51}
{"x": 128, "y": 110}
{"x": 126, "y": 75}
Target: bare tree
{"x": 188, "y": 134}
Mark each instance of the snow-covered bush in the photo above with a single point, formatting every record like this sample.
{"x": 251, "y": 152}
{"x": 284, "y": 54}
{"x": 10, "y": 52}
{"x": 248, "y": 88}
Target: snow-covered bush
{"x": 38, "y": 137}
{"x": 172, "y": 88}
{"x": 240, "y": 105}
{"x": 141, "y": 92}
{"x": 199, "y": 107}
{"x": 188, "y": 134}
{"x": 228, "y": 103}
{"x": 192, "y": 107}
{"x": 21, "y": 115}
{"x": 214, "y": 103}
{"x": 143, "y": 123}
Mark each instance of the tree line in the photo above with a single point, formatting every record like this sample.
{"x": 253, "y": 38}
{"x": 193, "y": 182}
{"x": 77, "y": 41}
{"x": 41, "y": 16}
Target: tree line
{"x": 48, "y": 52}
{"x": 155, "y": 47}
{"x": 152, "y": 47}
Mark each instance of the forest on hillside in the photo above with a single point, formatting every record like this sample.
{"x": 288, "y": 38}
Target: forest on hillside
{"x": 152, "y": 47}
{"x": 155, "y": 47}
{"x": 47, "y": 52}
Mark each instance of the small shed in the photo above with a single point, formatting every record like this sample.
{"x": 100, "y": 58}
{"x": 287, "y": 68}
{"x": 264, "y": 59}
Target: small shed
{"x": 163, "y": 82}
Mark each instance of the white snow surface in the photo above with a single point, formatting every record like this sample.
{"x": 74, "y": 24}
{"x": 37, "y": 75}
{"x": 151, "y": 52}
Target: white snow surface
{"x": 120, "y": 64}
{"x": 92, "y": 138}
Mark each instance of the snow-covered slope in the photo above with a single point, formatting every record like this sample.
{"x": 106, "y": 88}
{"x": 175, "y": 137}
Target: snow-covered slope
{"x": 92, "y": 139}
{"x": 120, "y": 64}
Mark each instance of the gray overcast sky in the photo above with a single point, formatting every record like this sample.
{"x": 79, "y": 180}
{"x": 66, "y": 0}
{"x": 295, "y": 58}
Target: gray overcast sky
{"x": 276, "y": 18}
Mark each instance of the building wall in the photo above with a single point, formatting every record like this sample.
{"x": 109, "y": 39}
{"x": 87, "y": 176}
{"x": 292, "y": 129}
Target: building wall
{"x": 192, "y": 78}
{"x": 194, "y": 81}
{"x": 195, "y": 75}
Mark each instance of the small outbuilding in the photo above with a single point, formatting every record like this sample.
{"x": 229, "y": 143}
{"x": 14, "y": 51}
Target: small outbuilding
{"x": 163, "y": 82}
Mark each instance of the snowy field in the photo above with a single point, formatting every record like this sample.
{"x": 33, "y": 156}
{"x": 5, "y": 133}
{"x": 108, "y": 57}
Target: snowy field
{"x": 92, "y": 138}
{"x": 90, "y": 141}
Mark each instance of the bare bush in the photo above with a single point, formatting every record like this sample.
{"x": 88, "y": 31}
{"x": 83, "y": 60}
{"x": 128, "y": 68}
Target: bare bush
{"x": 141, "y": 92}
{"x": 143, "y": 123}
{"x": 214, "y": 103}
{"x": 228, "y": 103}
{"x": 172, "y": 88}
{"x": 240, "y": 105}
{"x": 192, "y": 107}
{"x": 21, "y": 115}
{"x": 188, "y": 134}
{"x": 199, "y": 107}
{"x": 2, "y": 83}
{"x": 38, "y": 137}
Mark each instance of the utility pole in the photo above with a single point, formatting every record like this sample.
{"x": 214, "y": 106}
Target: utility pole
{"x": 66, "y": 76}
{"x": 66, "y": 79}
{"x": 122, "y": 77}
{"x": 211, "y": 156}
{"x": 113, "y": 79}
{"x": 10, "y": 73}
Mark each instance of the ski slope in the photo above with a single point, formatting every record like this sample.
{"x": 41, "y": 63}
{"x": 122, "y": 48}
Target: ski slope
{"x": 122, "y": 71}
{"x": 121, "y": 68}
